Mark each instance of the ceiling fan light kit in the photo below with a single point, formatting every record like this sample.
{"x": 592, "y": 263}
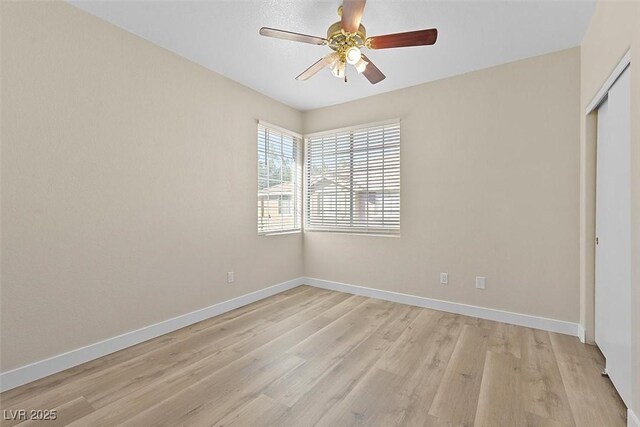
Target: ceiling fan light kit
{"x": 347, "y": 38}
{"x": 339, "y": 69}
{"x": 353, "y": 55}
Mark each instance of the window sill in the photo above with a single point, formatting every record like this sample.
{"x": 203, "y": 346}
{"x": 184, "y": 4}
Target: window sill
{"x": 355, "y": 233}
{"x": 280, "y": 233}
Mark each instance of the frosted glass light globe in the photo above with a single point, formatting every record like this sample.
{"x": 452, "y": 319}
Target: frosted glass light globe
{"x": 338, "y": 69}
{"x": 353, "y": 55}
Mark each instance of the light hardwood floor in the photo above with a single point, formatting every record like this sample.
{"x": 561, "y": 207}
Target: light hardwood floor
{"x": 315, "y": 357}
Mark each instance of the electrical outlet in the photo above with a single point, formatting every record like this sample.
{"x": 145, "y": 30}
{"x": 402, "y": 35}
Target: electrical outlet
{"x": 481, "y": 282}
{"x": 230, "y": 277}
{"x": 444, "y": 278}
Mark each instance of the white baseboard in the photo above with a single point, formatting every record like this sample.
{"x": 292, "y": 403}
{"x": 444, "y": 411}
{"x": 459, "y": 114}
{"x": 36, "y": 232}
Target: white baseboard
{"x": 582, "y": 335}
{"x": 527, "y": 320}
{"x": 632, "y": 419}
{"x": 52, "y": 365}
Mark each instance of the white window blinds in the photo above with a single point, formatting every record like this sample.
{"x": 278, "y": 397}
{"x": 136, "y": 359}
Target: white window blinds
{"x": 353, "y": 180}
{"x": 279, "y": 180}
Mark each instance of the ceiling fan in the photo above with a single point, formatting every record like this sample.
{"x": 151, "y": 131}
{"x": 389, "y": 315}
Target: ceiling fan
{"x": 347, "y": 37}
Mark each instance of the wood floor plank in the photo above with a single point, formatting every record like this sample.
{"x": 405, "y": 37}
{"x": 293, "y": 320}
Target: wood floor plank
{"x": 506, "y": 339}
{"x": 544, "y": 392}
{"x": 500, "y": 400}
{"x": 173, "y": 358}
{"x": 327, "y": 348}
{"x": 406, "y": 398}
{"x": 592, "y": 397}
{"x": 373, "y": 410}
{"x": 354, "y": 325}
{"x": 311, "y": 356}
{"x": 457, "y": 396}
{"x": 259, "y": 412}
{"x": 480, "y": 323}
{"x": 342, "y": 378}
{"x": 214, "y": 397}
{"x": 289, "y": 333}
{"x": 431, "y": 421}
{"x": 412, "y": 345}
{"x": 568, "y": 345}
{"x": 533, "y": 420}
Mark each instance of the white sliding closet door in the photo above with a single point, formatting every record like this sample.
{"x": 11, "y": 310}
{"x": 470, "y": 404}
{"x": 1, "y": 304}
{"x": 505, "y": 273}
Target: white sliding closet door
{"x": 613, "y": 228}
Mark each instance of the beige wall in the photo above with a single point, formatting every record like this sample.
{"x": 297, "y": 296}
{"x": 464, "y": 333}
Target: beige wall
{"x": 490, "y": 187}
{"x": 128, "y": 184}
{"x": 613, "y": 30}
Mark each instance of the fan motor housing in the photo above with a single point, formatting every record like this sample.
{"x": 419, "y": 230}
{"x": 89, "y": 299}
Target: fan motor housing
{"x": 339, "y": 40}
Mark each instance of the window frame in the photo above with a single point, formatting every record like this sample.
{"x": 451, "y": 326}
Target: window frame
{"x": 356, "y": 230}
{"x": 297, "y": 197}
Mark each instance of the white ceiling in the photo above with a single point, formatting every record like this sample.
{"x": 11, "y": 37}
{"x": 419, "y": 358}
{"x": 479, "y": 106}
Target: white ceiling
{"x": 223, "y": 36}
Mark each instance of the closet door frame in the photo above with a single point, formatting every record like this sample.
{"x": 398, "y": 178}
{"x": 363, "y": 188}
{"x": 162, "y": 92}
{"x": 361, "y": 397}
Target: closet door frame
{"x": 613, "y": 226}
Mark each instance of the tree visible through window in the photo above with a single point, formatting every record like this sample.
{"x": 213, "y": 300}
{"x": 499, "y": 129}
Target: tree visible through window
{"x": 279, "y": 180}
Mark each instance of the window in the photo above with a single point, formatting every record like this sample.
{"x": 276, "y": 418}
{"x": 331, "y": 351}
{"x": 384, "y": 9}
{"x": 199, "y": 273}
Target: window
{"x": 284, "y": 206}
{"x": 353, "y": 180}
{"x": 279, "y": 180}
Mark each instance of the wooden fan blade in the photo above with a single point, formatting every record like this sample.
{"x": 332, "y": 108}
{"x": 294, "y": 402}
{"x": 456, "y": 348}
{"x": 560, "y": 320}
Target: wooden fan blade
{"x": 371, "y": 72}
{"x": 288, "y": 35}
{"x": 352, "y": 15}
{"x": 411, "y": 38}
{"x": 311, "y": 71}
